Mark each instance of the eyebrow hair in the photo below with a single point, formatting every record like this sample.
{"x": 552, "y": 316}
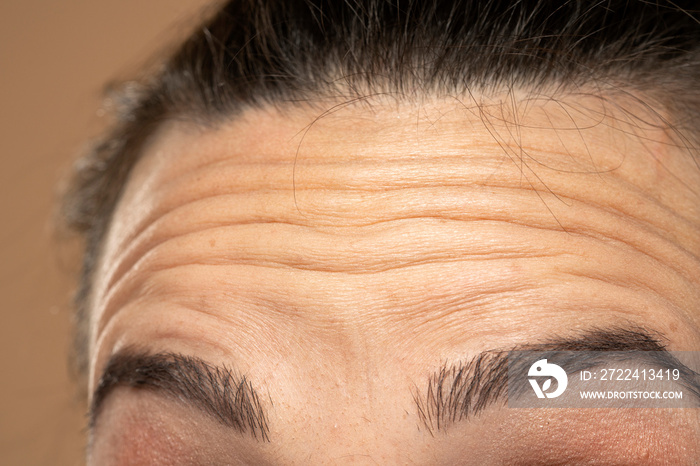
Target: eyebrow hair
{"x": 455, "y": 392}
{"x": 217, "y": 390}
{"x": 461, "y": 390}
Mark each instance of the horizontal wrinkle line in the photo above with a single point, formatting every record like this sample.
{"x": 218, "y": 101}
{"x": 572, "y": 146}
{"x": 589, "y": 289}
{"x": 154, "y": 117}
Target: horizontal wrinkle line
{"x": 160, "y": 214}
{"x": 125, "y": 266}
{"x": 228, "y": 161}
{"x": 215, "y": 225}
{"x": 373, "y": 185}
{"x": 128, "y": 265}
{"x": 608, "y": 239}
{"x": 637, "y": 221}
{"x": 570, "y": 231}
{"x": 332, "y": 160}
{"x": 279, "y": 266}
{"x": 580, "y": 233}
{"x": 639, "y": 285}
{"x": 223, "y": 224}
{"x": 372, "y": 189}
{"x": 124, "y": 312}
{"x": 157, "y": 215}
{"x": 447, "y": 259}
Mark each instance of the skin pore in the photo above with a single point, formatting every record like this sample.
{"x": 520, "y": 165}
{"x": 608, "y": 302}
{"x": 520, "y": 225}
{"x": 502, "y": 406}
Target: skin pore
{"x": 336, "y": 258}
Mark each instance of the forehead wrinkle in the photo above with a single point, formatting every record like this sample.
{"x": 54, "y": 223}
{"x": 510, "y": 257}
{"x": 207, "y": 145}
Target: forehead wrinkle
{"x": 372, "y": 260}
{"x": 365, "y": 251}
{"x": 132, "y": 324}
{"x": 363, "y": 176}
{"x": 449, "y": 203}
{"x": 242, "y": 296}
{"x": 361, "y": 255}
{"x": 268, "y": 203}
{"x": 271, "y": 182}
{"x": 220, "y": 171}
{"x": 450, "y": 318}
{"x": 354, "y": 183}
{"x": 366, "y": 255}
{"x": 463, "y": 171}
{"x": 340, "y": 213}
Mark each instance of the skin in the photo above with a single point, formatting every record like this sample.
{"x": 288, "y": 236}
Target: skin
{"x": 338, "y": 261}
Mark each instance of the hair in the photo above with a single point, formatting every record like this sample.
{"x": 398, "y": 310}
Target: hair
{"x": 256, "y": 53}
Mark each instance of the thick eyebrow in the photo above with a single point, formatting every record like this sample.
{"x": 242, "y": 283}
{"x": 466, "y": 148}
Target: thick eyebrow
{"x": 217, "y": 390}
{"x": 460, "y": 390}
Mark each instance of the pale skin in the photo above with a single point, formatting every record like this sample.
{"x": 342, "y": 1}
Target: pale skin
{"x": 338, "y": 261}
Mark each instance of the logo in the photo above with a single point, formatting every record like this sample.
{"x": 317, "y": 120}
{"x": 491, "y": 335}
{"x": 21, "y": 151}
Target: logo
{"x": 544, "y": 369}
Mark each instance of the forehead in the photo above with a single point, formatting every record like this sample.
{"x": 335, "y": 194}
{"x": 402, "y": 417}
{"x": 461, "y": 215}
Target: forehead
{"x": 360, "y": 200}
{"x": 345, "y": 244}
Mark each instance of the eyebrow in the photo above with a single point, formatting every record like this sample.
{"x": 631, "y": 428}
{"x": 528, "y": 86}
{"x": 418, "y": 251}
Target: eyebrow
{"x": 455, "y": 392}
{"x": 461, "y": 390}
{"x": 217, "y": 390}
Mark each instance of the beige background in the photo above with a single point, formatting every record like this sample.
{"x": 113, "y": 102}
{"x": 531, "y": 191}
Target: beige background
{"x": 55, "y": 57}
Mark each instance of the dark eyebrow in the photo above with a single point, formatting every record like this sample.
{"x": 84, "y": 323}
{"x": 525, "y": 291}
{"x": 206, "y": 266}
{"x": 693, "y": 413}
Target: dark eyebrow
{"x": 217, "y": 390}
{"x": 460, "y": 390}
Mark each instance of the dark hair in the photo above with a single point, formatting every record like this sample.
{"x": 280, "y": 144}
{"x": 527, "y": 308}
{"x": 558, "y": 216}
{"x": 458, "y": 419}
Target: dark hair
{"x": 253, "y": 53}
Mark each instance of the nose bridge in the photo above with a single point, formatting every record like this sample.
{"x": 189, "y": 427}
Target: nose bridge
{"x": 359, "y": 440}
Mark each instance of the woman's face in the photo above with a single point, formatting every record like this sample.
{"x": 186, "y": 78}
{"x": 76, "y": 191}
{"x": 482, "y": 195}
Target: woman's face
{"x": 337, "y": 261}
